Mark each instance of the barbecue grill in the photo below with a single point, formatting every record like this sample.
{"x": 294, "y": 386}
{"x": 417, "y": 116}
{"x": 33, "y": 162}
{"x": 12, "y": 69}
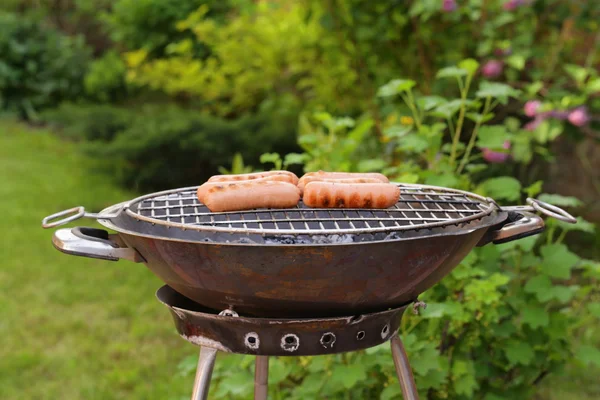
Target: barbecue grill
{"x": 299, "y": 270}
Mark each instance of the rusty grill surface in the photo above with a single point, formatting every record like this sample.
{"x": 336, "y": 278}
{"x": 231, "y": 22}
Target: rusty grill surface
{"x": 419, "y": 207}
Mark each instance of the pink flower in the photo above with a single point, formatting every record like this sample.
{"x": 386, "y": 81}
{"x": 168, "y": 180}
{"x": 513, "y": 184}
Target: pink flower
{"x": 579, "y": 116}
{"x": 531, "y": 107}
{"x": 510, "y": 5}
{"x": 449, "y": 5}
{"x": 496, "y": 157}
{"x": 492, "y": 68}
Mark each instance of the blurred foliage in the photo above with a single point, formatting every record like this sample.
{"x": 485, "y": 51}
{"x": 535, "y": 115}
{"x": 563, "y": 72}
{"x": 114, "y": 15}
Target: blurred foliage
{"x": 152, "y": 24}
{"x": 105, "y": 80}
{"x": 158, "y": 147}
{"x": 278, "y": 53}
{"x": 39, "y": 66}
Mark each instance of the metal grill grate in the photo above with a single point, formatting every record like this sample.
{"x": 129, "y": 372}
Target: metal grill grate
{"x": 418, "y": 207}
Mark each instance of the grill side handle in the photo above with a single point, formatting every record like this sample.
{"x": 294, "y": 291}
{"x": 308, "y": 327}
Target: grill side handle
{"x": 93, "y": 243}
{"x": 518, "y": 225}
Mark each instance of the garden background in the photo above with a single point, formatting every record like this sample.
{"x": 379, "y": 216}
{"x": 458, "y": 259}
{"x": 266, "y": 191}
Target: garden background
{"x": 102, "y": 100}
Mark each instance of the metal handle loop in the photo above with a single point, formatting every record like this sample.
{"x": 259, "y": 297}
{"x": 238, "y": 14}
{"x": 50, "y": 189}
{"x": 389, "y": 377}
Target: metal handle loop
{"x": 551, "y": 211}
{"x": 73, "y": 214}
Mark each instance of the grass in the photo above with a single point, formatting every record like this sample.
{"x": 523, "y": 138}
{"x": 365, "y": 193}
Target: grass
{"x": 73, "y": 327}
{"x": 77, "y": 328}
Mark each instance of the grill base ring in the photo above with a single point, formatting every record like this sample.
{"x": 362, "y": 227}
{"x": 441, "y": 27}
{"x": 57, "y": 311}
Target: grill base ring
{"x": 279, "y": 336}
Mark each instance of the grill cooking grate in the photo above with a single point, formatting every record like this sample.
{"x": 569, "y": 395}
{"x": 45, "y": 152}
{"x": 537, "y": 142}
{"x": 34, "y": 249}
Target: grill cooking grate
{"x": 419, "y": 207}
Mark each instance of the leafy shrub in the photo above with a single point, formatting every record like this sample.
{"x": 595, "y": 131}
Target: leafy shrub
{"x": 39, "y": 66}
{"x": 275, "y": 52}
{"x": 505, "y": 318}
{"x": 91, "y": 122}
{"x": 151, "y": 24}
{"x": 160, "y": 146}
{"x": 105, "y": 80}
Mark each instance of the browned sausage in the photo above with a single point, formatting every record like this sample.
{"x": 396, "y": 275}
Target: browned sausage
{"x": 350, "y": 195}
{"x": 344, "y": 175}
{"x": 247, "y": 195}
{"x": 306, "y": 180}
{"x": 256, "y": 175}
{"x": 201, "y": 192}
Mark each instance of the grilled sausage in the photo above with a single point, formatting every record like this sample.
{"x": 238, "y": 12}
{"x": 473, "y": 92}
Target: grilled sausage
{"x": 344, "y": 175}
{"x": 306, "y": 180}
{"x": 350, "y": 195}
{"x": 256, "y": 175}
{"x": 201, "y": 192}
{"x": 247, "y": 195}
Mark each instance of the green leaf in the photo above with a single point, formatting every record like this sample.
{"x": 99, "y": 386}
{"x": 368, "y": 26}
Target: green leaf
{"x": 594, "y": 309}
{"x": 561, "y": 201}
{"x": 492, "y": 137}
{"x": 593, "y": 86}
{"x": 348, "y": 375}
{"x": 274, "y": 158}
{"x": 558, "y": 260}
{"x": 547, "y": 131}
{"x": 474, "y": 168}
{"x": 428, "y": 102}
{"x": 538, "y": 285}
{"x": 479, "y": 118}
{"x": 295, "y": 158}
{"x": 395, "y": 87}
{"x": 278, "y": 370}
{"x": 581, "y": 225}
{"x": 396, "y": 131}
{"x": 451, "y": 72}
{"x": 503, "y": 187}
{"x": 516, "y": 61}
{"x": 535, "y": 317}
{"x": 447, "y": 180}
{"x": 579, "y": 74}
{"x": 448, "y": 109}
{"x": 425, "y": 361}
{"x": 413, "y": 143}
{"x": 588, "y": 355}
{"x": 518, "y": 352}
{"x": 534, "y": 189}
{"x": 375, "y": 164}
{"x": 521, "y": 148}
{"x": 469, "y": 65}
{"x": 391, "y": 392}
{"x": 496, "y": 90}
{"x": 534, "y": 87}
{"x": 464, "y": 378}
{"x": 439, "y": 310}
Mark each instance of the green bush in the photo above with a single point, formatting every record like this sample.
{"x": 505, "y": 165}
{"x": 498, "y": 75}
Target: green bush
{"x": 162, "y": 146}
{"x": 507, "y": 316}
{"x": 39, "y": 67}
{"x": 91, "y": 122}
{"x": 105, "y": 80}
{"x": 151, "y": 24}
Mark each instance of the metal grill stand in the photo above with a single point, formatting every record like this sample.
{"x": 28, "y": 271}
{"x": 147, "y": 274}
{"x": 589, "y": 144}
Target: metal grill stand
{"x": 264, "y": 337}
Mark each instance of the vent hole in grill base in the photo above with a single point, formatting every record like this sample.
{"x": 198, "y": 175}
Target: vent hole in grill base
{"x": 327, "y": 340}
{"x": 385, "y": 331}
{"x": 360, "y": 335}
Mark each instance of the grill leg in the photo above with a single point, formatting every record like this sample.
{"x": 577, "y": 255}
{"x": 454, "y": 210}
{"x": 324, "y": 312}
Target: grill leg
{"x": 405, "y": 376}
{"x": 261, "y": 378}
{"x": 206, "y": 362}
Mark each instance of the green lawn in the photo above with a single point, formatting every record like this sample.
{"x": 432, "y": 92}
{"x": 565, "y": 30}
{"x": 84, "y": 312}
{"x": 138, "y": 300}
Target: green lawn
{"x": 76, "y": 328}
{"x": 73, "y": 327}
